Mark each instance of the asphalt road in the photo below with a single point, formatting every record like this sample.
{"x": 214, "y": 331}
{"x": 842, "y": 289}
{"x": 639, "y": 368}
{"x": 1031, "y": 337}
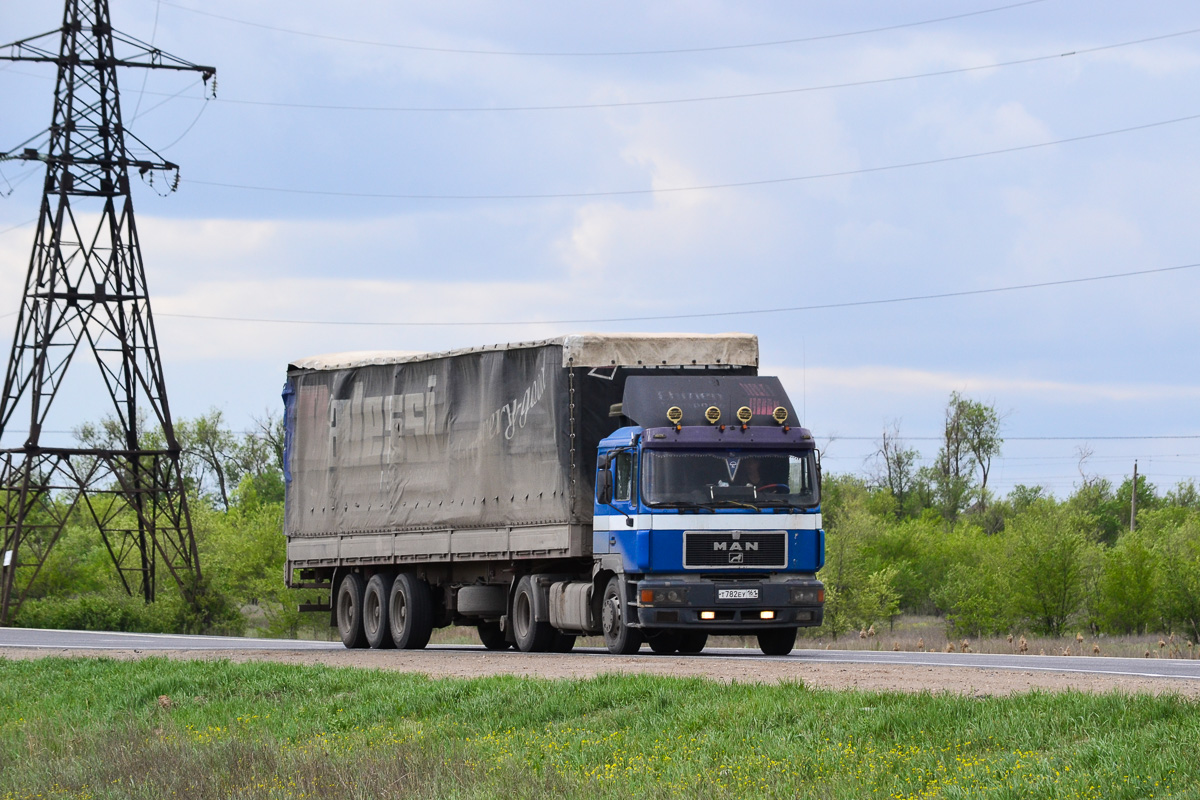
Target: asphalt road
{"x": 1178, "y": 669}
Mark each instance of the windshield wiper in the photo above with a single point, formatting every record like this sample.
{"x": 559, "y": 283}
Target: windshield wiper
{"x": 732, "y": 504}
{"x": 682, "y": 505}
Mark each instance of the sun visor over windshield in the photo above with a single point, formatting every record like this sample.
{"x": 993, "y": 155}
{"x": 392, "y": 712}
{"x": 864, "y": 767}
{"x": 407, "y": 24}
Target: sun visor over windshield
{"x": 648, "y": 400}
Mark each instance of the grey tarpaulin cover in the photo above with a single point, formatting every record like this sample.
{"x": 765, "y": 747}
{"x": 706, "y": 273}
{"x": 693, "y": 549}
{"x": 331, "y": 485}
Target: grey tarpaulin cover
{"x": 475, "y": 438}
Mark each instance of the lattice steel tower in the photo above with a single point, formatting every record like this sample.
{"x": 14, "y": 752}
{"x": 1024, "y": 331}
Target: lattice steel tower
{"x": 86, "y": 298}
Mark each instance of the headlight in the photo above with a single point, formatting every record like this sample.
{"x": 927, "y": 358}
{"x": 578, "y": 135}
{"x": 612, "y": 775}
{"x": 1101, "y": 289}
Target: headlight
{"x": 675, "y": 596}
{"x": 808, "y": 595}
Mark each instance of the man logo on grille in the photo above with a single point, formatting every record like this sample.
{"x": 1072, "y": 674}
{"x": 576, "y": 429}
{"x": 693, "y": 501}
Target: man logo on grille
{"x": 737, "y": 558}
{"x": 735, "y": 546}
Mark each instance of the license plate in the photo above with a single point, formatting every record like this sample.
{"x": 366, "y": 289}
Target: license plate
{"x": 737, "y": 594}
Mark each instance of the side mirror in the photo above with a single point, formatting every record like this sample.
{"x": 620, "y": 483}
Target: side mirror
{"x": 604, "y": 487}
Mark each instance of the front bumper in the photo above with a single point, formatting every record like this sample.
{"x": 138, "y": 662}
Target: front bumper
{"x": 788, "y": 603}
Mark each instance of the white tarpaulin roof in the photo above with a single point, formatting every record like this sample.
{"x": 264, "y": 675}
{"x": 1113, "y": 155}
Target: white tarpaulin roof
{"x": 583, "y": 350}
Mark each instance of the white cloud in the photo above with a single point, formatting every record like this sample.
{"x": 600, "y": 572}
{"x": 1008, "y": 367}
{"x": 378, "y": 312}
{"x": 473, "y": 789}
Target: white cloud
{"x": 1155, "y": 60}
{"x": 980, "y": 128}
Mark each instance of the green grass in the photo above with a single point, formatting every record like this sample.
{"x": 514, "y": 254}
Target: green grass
{"x": 95, "y": 728}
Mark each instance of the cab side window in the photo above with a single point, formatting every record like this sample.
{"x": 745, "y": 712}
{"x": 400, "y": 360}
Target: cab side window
{"x": 623, "y": 485}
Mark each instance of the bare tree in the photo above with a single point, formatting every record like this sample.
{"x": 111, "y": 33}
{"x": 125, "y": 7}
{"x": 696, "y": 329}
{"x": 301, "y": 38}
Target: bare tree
{"x": 896, "y": 466}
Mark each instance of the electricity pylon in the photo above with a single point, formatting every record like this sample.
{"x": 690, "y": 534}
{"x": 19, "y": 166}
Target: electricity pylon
{"x": 86, "y": 299}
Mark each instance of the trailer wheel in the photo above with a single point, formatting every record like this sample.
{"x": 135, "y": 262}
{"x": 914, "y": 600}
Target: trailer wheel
{"x": 349, "y": 611}
{"x": 375, "y": 611}
{"x": 532, "y": 636}
{"x": 692, "y": 642}
{"x": 492, "y": 637}
{"x": 778, "y": 642}
{"x": 410, "y": 612}
{"x": 618, "y": 637}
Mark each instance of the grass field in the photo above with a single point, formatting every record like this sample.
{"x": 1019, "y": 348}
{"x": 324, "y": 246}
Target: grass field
{"x": 93, "y": 728}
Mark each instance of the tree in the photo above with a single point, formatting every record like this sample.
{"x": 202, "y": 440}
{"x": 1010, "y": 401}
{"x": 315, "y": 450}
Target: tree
{"x": 980, "y": 425}
{"x": 896, "y": 470}
{"x": 974, "y": 600}
{"x": 1128, "y": 590}
{"x": 209, "y": 451}
{"x": 1179, "y": 575}
{"x": 1048, "y": 564}
{"x": 970, "y": 440}
{"x": 858, "y": 592}
{"x": 215, "y": 458}
{"x": 1184, "y": 495}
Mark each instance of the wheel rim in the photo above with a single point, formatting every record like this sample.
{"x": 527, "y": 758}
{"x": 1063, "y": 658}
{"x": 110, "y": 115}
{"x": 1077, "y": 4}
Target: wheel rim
{"x": 372, "y": 613}
{"x": 610, "y": 618}
{"x": 399, "y": 611}
{"x": 346, "y": 610}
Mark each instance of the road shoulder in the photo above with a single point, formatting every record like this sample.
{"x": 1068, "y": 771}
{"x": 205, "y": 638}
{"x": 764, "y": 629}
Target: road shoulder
{"x": 969, "y": 681}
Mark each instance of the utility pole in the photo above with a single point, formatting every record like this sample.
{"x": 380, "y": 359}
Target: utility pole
{"x": 1133, "y": 500}
{"x": 86, "y": 299}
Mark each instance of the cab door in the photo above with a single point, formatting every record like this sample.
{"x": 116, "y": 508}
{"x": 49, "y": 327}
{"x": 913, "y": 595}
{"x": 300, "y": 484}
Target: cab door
{"x": 613, "y": 520}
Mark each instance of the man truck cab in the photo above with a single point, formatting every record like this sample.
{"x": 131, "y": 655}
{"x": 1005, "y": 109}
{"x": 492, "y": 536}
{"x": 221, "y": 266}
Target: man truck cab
{"x": 707, "y": 516}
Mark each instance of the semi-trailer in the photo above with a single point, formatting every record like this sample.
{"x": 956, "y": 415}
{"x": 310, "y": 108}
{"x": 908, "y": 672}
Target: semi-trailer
{"x": 650, "y": 488}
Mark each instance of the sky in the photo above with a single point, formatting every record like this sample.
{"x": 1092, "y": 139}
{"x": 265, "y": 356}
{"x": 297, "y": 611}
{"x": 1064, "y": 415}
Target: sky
{"x": 467, "y": 173}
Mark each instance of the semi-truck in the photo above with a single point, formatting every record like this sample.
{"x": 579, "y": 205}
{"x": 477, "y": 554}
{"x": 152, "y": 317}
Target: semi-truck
{"x": 648, "y": 488}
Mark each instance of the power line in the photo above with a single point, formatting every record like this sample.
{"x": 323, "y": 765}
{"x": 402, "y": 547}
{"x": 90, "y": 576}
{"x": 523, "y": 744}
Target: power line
{"x": 16, "y": 227}
{"x": 704, "y": 187}
{"x": 708, "y": 98}
{"x": 609, "y": 53}
{"x": 701, "y": 315}
{"x": 685, "y": 100}
{"x": 838, "y": 438}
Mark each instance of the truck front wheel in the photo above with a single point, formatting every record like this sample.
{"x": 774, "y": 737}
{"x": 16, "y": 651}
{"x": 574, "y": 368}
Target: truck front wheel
{"x": 410, "y": 612}
{"x": 778, "y": 642}
{"x": 664, "y": 642}
{"x": 531, "y": 636}
{"x": 349, "y": 611}
{"x": 618, "y": 637}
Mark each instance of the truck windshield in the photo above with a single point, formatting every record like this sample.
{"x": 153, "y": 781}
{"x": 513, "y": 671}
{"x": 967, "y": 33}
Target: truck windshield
{"x": 729, "y": 479}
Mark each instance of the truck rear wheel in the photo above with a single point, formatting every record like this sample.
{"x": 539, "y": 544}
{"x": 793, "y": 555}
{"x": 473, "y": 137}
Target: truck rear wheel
{"x": 692, "y": 641}
{"x": 531, "y": 636}
{"x": 375, "y": 611}
{"x": 618, "y": 637}
{"x": 410, "y": 612}
{"x": 349, "y": 611}
{"x": 492, "y": 637}
{"x": 777, "y": 642}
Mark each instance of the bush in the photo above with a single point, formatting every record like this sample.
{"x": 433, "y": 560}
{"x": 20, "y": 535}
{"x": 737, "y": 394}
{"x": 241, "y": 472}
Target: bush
{"x": 1049, "y": 560}
{"x": 975, "y": 602}
{"x": 1179, "y": 577}
{"x": 96, "y": 612}
{"x": 1128, "y": 600}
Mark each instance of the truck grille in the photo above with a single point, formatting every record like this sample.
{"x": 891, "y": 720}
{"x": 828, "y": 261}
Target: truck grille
{"x": 734, "y": 549}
